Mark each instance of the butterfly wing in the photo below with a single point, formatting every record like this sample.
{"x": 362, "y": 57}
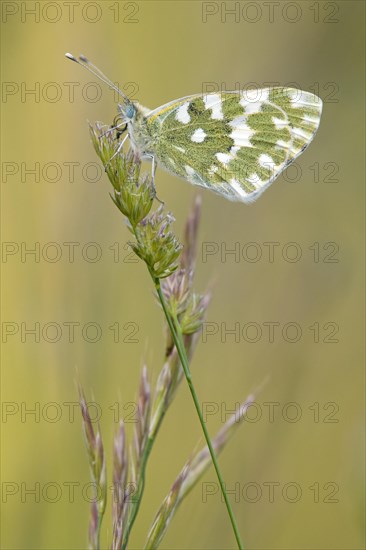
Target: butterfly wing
{"x": 234, "y": 143}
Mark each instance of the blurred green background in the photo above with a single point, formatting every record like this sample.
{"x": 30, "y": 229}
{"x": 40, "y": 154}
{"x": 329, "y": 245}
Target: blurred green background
{"x": 161, "y": 51}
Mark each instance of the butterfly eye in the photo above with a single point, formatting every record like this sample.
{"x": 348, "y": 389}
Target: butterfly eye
{"x": 130, "y": 111}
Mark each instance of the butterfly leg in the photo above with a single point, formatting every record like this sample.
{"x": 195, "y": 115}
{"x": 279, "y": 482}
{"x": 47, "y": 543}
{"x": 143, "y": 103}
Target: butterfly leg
{"x": 153, "y": 170}
{"x": 113, "y": 128}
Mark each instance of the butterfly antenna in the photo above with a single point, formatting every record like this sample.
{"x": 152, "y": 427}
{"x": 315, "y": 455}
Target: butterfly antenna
{"x": 86, "y": 64}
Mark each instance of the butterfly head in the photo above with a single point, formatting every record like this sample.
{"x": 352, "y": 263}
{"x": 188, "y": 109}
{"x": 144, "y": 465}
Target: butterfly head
{"x": 127, "y": 111}
{"x": 125, "y": 116}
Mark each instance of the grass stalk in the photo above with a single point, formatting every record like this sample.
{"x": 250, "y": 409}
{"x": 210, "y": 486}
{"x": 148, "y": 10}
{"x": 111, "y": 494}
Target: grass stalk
{"x": 179, "y": 344}
{"x": 136, "y": 501}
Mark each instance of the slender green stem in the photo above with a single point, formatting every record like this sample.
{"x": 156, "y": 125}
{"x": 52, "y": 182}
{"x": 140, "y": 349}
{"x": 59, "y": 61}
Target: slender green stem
{"x": 179, "y": 344}
{"x": 135, "y": 505}
{"x": 100, "y": 518}
{"x": 136, "y": 502}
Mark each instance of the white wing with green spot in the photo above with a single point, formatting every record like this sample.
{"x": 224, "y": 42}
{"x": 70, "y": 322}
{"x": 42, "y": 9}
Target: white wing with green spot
{"x": 234, "y": 143}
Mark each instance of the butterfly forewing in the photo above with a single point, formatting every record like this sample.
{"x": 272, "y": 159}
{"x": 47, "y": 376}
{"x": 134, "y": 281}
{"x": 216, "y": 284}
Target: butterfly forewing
{"x": 234, "y": 143}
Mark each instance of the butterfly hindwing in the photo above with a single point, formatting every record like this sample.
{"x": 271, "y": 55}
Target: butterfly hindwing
{"x": 234, "y": 143}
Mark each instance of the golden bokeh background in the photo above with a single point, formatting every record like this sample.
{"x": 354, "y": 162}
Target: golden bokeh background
{"x": 162, "y": 50}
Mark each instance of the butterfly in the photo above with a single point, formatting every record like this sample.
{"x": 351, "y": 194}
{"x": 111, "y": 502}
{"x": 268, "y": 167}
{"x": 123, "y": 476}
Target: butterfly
{"x": 235, "y": 143}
